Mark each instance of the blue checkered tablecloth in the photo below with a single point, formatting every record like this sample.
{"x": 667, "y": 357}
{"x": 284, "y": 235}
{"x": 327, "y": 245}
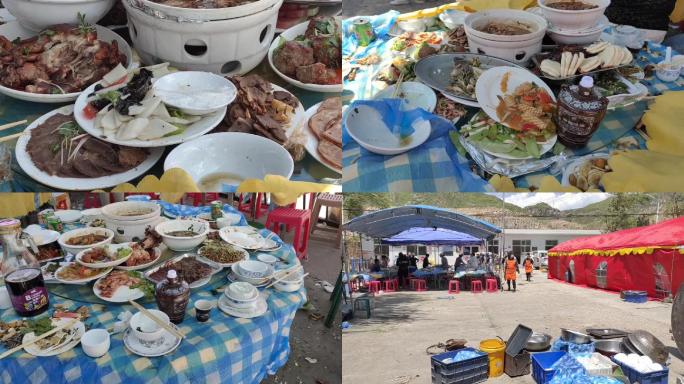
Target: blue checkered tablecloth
{"x": 431, "y": 272}
{"x": 223, "y": 350}
{"x": 437, "y": 166}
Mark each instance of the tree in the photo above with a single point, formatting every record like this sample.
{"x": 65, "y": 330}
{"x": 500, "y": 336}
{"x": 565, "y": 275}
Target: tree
{"x": 623, "y": 209}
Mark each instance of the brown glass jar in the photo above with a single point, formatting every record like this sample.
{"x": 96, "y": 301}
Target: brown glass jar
{"x": 172, "y": 295}
{"x": 580, "y": 111}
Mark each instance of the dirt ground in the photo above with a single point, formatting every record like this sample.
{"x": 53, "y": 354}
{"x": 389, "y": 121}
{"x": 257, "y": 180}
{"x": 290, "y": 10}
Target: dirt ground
{"x": 390, "y": 346}
{"x": 310, "y": 338}
{"x": 367, "y": 8}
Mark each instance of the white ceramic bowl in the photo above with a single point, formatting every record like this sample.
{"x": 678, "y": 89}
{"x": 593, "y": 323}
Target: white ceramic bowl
{"x": 41, "y": 236}
{"x": 69, "y": 215}
{"x": 241, "y": 295}
{"x": 183, "y": 243}
{"x": 146, "y": 329}
{"x": 95, "y": 342}
{"x": 679, "y": 60}
{"x": 366, "y": 127}
{"x": 413, "y": 94}
{"x": 194, "y": 92}
{"x": 127, "y": 231}
{"x": 75, "y": 249}
{"x": 668, "y": 74}
{"x": 231, "y": 155}
{"x": 452, "y": 18}
{"x": 40, "y": 14}
{"x": 290, "y": 283}
{"x": 266, "y": 258}
{"x": 131, "y": 210}
{"x": 253, "y": 269}
{"x": 574, "y": 20}
{"x": 583, "y": 37}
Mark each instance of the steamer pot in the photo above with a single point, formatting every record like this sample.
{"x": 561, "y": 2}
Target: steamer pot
{"x": 229, "y": 41}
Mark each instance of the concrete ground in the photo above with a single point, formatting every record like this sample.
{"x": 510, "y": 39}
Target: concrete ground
{"x": 390, "y": 346}
{"x": 309, "y": 338}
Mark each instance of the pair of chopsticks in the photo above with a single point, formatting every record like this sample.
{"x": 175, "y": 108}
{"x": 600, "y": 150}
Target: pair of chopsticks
{"x": 41, "y": 337}
{"x": 12, "y": 125}
{"x": 157, "y": 320}
{"x": 281, "y": 278}
{"x": 397, "y": 86}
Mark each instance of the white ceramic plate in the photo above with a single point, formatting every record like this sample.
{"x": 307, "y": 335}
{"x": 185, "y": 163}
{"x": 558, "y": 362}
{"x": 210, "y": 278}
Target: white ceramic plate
{"x": 167, "y": 344}
{"x": 34, "y": 350}
{"x": 312, "y": 141}
{"x": 197, "y": 129}
{"x": 157, "y": 255}
{"x": 366, "y": 127}
{"x": 122, "y": 294}
{"x": 231, "y": 157}
{"x": 260, "y": 309}
{"x": 110, "y": 249}
{"x": 73, "y": 183}
{"x": 215, "y": 268}
{"x": 241, "y": 239}
{"x": 69, "y": 215}
{"x": 13, "y": 29}
{"x": 79, "y": 281}
{"x": 291, "y": 34}
{"x": 574, "y": 165}
{"x": 245, "y": 256}
{"x": 41, "y": 236}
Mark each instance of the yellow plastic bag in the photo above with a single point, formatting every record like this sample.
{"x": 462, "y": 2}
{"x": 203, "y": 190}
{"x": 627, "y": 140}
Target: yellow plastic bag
{"x": 20, "y": 204}
{"x": 283, "y": 191}
{"x": 644, "y": 171}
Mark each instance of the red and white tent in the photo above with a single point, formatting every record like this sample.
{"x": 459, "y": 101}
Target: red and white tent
{"x": 644, "y": 258}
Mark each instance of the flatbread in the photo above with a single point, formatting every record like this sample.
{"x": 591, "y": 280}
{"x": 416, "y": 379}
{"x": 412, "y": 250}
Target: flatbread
{"x": 333, "y": 131}
{"x": 331, "y": 153}
{"x": 320, "y": 120}
{"x": 334, "y": 103}
{"x": 551, "y": 68}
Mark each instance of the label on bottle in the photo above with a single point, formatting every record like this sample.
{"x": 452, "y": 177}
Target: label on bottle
{"x": 31, "y": 300}
{"x": 574, "y": 123}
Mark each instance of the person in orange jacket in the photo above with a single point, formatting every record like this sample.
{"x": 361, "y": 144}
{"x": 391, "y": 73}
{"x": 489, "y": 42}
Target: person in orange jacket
{"x": 511, "y": 270}
{"x": 529, "y": 266}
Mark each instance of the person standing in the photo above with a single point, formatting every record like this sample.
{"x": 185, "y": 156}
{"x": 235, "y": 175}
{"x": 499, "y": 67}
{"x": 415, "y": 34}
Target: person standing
{"x": 426, "y": 261}
{"x": 403, "y": 263}
{"x": 511, "y": 271}
{"x": 444, "y": 261}
{"x": 384, "y": 262}
{"x": 376, "y": 266}
{"x": 529, "y": 266}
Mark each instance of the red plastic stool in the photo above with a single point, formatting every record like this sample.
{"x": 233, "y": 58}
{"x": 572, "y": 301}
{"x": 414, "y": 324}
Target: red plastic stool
{"x": 412, "y": 282}
{"x": 390, "y": 286}
{"x": 374, "y": 286}
{"x": 300, "y": 219}
{"x": 476, "y": 286}
{"x": 396, "y": 283}
{"x": 420, "y": 285}
{"x": 492, "y": 286}
{"x": 259, "y": 202}
{"x": 202, "y": 198}
{"x": 92, "y": 200}
{"x": 454, "y": 286}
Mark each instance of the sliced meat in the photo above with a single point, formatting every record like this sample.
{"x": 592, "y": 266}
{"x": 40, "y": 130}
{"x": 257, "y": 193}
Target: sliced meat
{"x": 330, "y": 153}
{"x": 334, "y": 103}
{"x": 132, "y": 157}
{"x": 268, "y": 122}
{"x": 317, "y": 73}
{"x": 287, "y": 98}
{"x": 241, "y": 125}
{"x": 291, "y": 56}
{"x": 320, "y": 120}
{"x": 333, "y": 131}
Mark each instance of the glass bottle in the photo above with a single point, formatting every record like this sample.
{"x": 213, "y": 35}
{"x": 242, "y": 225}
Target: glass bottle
{"x": 580, "y": 111}
{"x": 21, "y": 270}
{"x": 172, "y": 295}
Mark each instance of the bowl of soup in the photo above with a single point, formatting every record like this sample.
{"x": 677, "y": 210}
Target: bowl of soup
{"x": 183, "y": 234}
{"x": 575, "y": 15}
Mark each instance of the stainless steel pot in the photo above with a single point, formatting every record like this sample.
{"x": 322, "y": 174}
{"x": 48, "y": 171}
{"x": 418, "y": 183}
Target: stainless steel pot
{"x": 538, "y": 342}
{"x": 574, "y": 337}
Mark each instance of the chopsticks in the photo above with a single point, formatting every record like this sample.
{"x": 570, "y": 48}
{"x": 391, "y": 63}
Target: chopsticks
{"x": 12, "y": 125}
{"x": 157, "y": 320}
{"x": 294, "y": 270}
{"x": 41, "y": 337}
{"x": 12, "y": 137}
{"x": 397, "y": 86}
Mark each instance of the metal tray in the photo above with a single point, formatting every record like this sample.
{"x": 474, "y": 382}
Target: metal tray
{"x": 518, "y": 340}
{"x": 195, "y": 284}
{"x": 539, "y": 57}
{"x": 606, "y": 333}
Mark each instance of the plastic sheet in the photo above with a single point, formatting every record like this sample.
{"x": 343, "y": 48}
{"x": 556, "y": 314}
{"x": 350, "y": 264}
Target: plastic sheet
{"x": 573, "y": 350}
{"x": 461, "y": 356}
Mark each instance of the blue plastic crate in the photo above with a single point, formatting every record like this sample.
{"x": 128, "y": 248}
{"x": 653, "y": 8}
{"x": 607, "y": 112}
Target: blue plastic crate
{"x": 635, "y": 376}
{"x": 635, "y": 296}
{"x": 473, "y": 370}
{"x": 542, "y": 363}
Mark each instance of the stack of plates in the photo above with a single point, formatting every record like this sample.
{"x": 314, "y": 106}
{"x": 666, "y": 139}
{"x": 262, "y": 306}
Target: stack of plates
{"x": 251, "y": 303}
{"x": 254, "y": 272}
{"x": 247, "y": 237}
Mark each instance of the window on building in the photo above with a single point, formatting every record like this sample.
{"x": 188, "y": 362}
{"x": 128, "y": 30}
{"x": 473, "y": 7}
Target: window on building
{"x": 521, "y": 248}
{"x": 602, "y": 275}
{"x": 380, "y": 249}
{"x": 416, "y": 249}
{"x": 662, "y": 281}
{"x": 471, "y": 250}
{"x": 493, "y": 247}
{"x": 550, "y": 244}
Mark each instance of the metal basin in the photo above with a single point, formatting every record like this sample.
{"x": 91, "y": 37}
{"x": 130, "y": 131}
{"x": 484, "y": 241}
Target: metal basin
{"x": 608, "y": 347}
{"x": 538, "y": 342}
{"x": 649, "y": 345}
{"x": 628, "y": 348}
{"x": 574, "y": 337}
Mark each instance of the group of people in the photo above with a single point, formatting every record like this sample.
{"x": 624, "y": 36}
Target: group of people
{"x": 511, "y": 270}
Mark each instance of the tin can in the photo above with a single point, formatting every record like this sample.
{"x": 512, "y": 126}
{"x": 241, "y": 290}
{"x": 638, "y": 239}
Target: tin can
{"x": 363, "y": 30}
{"x": 44, "y": 214}
{"x": 54, "y": 223}
{"x": 216, "y": 209}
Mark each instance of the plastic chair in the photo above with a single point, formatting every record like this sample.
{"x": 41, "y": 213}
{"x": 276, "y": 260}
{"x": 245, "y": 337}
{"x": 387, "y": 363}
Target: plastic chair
{"x": 420, "y": 285}
{"x": 390, "y": 286}
{"x": 300, "y": 219}
{"x": 374, "y": 286}
{"x": 365, "y": 307}
{"x": 454, "y": 286}
{"x": 91, "y": 200}
{"x": 476, "y": 286}
{"x": 492, "y": 286}
{"x": 260, "y": 204}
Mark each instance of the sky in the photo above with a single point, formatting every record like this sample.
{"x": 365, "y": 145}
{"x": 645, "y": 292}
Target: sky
{"x": 560, "y": 201}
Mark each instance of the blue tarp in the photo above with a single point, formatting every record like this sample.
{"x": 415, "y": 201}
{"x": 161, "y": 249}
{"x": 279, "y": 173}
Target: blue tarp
{"x": 432, "y": 236}
{"x": 388, "y": 222}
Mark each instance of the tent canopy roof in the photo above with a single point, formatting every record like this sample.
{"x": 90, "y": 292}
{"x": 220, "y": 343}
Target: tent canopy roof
{"x": 432, "y": 236}
{"x": 391, "y": 221}
{"x": 665, "y": 234}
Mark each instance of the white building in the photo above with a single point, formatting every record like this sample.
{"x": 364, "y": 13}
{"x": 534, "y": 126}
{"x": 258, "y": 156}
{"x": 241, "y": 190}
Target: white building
{"x": 520, "y": 241}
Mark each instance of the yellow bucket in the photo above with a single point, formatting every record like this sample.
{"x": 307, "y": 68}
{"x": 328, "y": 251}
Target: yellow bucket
{"x": 495, "y": 349}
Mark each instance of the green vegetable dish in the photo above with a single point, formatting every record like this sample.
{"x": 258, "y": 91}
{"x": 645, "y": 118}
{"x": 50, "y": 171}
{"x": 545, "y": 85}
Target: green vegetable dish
{"x": 496, "y": 138}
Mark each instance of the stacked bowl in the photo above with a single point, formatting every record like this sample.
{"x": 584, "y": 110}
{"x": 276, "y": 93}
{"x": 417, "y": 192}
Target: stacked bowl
{"x": 242, "y": 299}
{"x": 254, "y": 272}
{"x": 575, "y": 26}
